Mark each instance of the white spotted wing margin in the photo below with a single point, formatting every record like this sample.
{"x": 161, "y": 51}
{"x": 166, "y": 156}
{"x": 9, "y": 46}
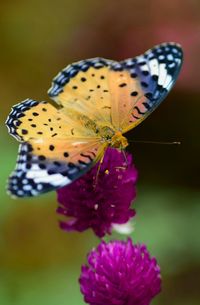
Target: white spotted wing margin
{"x": 29, "y": 178}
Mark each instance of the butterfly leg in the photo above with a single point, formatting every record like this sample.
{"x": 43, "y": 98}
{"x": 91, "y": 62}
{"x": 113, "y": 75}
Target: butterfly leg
{"x": 125, "y": 161}
{"x": 98, "y": 169}
{"x": 125, "y": 158}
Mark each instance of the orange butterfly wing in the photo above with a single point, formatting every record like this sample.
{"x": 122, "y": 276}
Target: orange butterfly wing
{"x": 55, "y": 151}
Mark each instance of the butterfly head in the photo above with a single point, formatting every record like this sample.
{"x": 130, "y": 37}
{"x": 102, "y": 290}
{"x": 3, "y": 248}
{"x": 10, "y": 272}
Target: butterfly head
{"x": 119, "y": 141}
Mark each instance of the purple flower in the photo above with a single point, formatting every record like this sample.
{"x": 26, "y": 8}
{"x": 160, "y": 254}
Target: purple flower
{"x": 104, "y": 205}
{"x": 120, "y": 273}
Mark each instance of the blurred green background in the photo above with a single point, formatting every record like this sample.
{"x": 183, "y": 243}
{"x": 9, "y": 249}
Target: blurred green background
{"x": 40, "y": 264}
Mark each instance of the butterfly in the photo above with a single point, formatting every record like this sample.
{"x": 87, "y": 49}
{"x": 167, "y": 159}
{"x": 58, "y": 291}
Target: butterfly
{"x": 96, "y": 101}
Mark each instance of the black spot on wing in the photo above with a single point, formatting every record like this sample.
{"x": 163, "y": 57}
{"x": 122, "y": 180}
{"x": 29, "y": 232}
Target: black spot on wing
{"x": 72, "y": 70}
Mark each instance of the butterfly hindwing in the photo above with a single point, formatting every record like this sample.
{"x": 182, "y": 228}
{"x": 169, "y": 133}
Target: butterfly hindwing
{"x": 56, "y": 166}
{"x": 29, "y": 177}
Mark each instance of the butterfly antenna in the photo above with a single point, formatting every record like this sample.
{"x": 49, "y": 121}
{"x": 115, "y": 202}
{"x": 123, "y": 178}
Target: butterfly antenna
{"x": 156, "y": 142}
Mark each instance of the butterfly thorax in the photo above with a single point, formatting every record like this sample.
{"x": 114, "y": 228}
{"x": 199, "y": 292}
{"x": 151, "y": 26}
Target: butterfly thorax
{"x": 107, "y": 133}
{"x": 113, "y": 138}
{"x": 119, "y": 141}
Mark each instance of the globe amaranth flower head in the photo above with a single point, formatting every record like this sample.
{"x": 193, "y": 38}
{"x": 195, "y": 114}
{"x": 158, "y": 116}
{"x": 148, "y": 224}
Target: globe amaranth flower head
{"x": 107, "y": 203}
{"x": 120, "y": 273}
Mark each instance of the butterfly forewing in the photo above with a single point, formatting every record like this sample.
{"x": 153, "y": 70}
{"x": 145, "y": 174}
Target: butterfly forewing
{"x": 55, "y": 151}
{"x": 83, "y": 87}
{"x": 41, "y": 120}
{"x": 119, "y": 94}
{"x": 151, "y": 76}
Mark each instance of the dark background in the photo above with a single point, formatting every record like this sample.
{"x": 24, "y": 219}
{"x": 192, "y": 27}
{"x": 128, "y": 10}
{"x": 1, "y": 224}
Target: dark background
{"x": 39, "y": 263}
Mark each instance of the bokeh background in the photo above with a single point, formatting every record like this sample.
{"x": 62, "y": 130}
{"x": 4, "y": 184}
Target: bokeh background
{"x": 40, "y": 264}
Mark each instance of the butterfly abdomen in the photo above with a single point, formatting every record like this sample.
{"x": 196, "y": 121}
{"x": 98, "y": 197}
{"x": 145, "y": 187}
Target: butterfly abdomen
{"x": 88, "y": 123}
